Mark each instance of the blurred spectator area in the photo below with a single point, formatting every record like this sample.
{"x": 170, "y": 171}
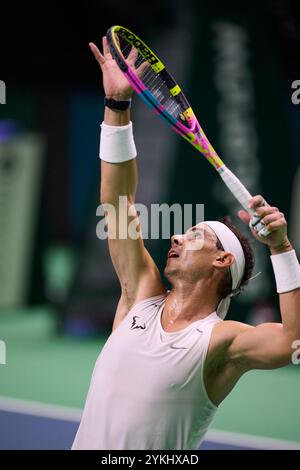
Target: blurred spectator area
{"x": 54, "y": 90}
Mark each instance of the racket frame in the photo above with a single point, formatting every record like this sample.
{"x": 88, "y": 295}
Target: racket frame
{"x": 193, "y": 133}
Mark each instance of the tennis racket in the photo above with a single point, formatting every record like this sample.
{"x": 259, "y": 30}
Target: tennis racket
{"x": 153, "y": 83}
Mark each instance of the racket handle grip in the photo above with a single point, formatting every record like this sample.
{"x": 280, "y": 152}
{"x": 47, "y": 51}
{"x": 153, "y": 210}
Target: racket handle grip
{"x": 236, "y": 187}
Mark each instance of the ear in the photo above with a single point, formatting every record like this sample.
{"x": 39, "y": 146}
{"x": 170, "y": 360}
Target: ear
{"x": 223, "y": 260}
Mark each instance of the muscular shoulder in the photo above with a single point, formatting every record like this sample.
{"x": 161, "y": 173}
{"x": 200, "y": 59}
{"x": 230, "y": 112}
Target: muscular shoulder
{"x": 221, "y": 374}
{"x": 223, "y": 335}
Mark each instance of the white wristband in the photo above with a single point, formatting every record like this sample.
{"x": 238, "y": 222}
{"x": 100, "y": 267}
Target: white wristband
{"x": 117, "y": 143}
{"x": 287, "y": 271}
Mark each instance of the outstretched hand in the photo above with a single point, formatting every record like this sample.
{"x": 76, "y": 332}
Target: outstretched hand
{"x": 271, "y": 223}
{"x": 115, "y": 84}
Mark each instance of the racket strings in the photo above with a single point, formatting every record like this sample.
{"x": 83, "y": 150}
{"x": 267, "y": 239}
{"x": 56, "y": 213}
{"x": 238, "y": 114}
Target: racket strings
{"x": 148, "y": 76}
{"x": 140, "y": 59}
{"x": 128, "y": 50}
{"x": 125, "y": 48}
{"x": 173, "y": 108}
{"x": 158, "y": 87}
{"x": 152, "y": 80}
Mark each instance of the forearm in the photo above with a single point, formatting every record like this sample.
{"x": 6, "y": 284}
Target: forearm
{"x": 290, "y": 313}
{"x": 137, "y": 272}
{"x": 116, "y": 118}
{"x": 118, "y": 179}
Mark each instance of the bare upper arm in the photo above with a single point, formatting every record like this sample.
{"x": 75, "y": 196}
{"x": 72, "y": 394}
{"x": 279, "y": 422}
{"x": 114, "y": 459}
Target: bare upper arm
{"x": 236, "y": 348}
{"x": 265, "y": 346}
{"x": 137, "y": 272}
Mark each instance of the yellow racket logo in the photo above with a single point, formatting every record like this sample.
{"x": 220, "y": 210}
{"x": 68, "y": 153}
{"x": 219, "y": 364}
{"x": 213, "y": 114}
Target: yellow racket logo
{"x": 144, "y": 50}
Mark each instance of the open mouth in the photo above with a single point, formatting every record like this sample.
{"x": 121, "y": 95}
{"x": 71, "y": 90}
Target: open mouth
{"x": 173, "y": 254}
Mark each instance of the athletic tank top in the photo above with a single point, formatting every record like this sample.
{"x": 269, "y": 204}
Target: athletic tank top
{"x": 147, "y": 390}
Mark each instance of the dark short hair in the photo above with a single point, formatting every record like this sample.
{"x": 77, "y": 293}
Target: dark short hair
{"x": 225, "y": 286}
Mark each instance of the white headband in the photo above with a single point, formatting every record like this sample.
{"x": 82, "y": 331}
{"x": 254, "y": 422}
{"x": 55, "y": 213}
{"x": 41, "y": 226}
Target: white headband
{"x": 230, "y": 243}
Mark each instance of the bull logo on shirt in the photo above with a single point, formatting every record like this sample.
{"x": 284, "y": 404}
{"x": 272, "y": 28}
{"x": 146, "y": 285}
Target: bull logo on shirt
{"x": 135, "y": 326}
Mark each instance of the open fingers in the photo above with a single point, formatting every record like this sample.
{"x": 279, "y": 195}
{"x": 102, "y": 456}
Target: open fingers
{"x": 98, "y": 56}
{"x": 141, "y": 69}
{"x": 132, "y": 59}
{"x": 132, "y": 56}
{"x": 105, "y": 47}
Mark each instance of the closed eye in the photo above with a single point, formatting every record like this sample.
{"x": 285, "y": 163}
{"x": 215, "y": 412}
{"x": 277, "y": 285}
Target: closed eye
{"x": 194, "y": 233}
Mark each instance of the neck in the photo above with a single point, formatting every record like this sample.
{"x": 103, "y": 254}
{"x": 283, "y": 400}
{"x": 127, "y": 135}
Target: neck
{"x": 191, "y": 302}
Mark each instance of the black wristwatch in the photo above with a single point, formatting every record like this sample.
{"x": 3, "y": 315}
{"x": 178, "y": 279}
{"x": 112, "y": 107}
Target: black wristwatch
{"x": 118, "y": 105}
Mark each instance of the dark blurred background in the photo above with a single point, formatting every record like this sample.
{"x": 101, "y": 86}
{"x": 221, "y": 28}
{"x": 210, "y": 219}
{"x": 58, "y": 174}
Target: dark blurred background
{"x": 236, "y": 61}
{"x": 238, "y": 64}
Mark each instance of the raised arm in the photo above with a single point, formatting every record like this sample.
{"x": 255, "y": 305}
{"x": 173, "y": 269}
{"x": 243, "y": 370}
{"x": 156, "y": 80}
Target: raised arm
{"x": 136, "y": 270}
{"x": 270, "y": 345}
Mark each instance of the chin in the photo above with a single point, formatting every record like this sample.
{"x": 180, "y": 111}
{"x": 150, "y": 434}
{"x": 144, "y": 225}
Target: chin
{"x": 170, "y": 272}
{"x": 166, "y": 270}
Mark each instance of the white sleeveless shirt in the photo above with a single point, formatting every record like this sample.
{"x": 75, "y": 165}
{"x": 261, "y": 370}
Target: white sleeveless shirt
{"x": 147, "y": 390}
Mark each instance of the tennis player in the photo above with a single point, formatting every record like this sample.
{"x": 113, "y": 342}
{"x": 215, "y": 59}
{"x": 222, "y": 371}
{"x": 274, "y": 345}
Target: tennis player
{"x": 171, "y": 358}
